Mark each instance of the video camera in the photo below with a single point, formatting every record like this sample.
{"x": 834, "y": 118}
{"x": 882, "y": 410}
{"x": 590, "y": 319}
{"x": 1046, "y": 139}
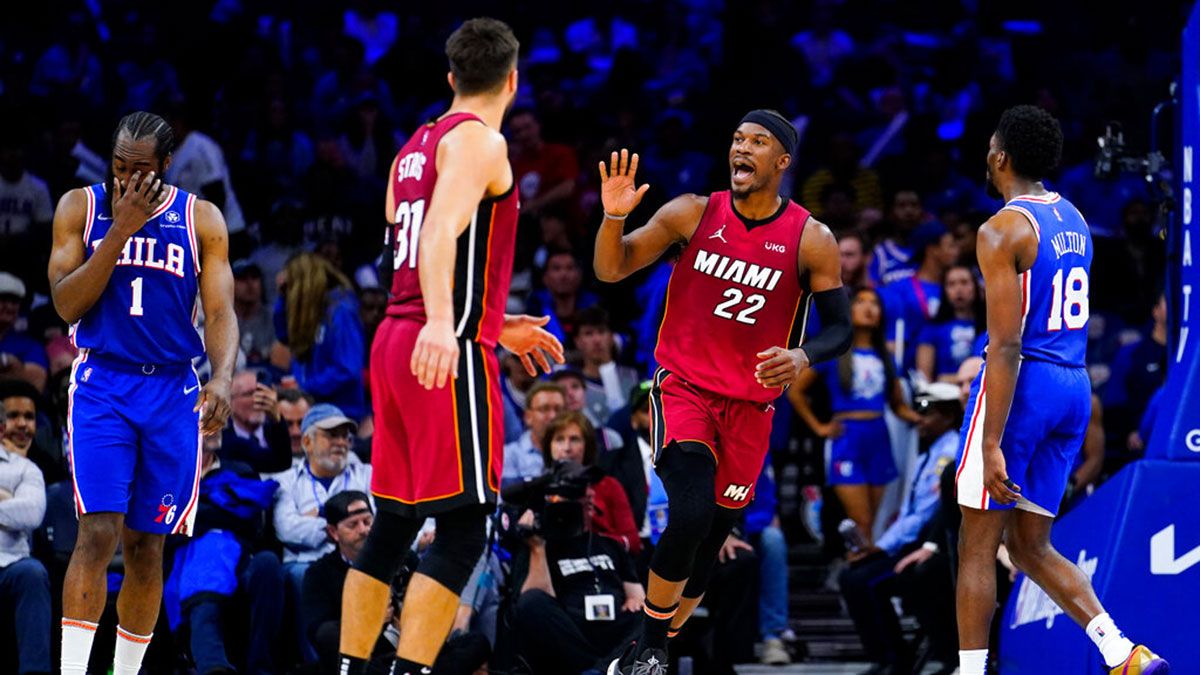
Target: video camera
{"x": 556, "y": 499}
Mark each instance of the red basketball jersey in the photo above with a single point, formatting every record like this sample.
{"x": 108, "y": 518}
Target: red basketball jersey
{"x": 734, "y": 292}
{"x": 483, "y": 265}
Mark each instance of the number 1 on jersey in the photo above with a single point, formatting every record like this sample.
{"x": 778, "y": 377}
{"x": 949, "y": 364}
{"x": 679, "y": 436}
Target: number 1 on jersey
{"x": 135, "y": 309}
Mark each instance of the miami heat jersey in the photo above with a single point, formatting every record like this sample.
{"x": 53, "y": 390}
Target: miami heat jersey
{"x": 483, "y": 266}
{"x": 1054, "y": 299}
{"x": 734, "y": 292}
{"x": 147, "y": 312}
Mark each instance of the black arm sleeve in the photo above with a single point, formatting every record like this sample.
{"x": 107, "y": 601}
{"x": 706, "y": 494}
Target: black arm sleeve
{"x": 833, "y": 309}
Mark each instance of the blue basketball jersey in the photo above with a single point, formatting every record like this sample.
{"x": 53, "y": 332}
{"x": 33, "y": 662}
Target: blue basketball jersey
{"x": 147, "y": 313}
{"x": 1055, "y": 290}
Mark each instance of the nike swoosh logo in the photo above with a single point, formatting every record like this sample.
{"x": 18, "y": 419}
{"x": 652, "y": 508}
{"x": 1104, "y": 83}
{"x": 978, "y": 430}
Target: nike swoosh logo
{"x": 103, "y": 217}
{"x": 191, "y": 389}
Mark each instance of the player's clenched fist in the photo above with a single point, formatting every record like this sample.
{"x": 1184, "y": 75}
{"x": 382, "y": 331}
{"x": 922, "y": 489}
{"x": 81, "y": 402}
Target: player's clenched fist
{"x": 779, "y": 366}
{"x": 435, "y": 356}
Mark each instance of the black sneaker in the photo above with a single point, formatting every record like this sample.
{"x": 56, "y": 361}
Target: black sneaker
{"x": 651, "y": 662}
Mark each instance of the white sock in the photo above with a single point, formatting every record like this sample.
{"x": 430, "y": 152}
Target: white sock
{"x": 972, "y": 661}
{"x": 130, "y": 650}
{"x": 77, "y": 639}
{"x": 1111, "y": 642}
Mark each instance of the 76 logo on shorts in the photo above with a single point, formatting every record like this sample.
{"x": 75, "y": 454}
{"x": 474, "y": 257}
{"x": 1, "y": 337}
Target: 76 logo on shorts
{"x": 166, "y": 510}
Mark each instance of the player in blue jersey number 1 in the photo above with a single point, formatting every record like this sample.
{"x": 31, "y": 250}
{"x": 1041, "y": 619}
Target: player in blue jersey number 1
{"x": 1030, "y": 406}
{"x": 132, "y": 259}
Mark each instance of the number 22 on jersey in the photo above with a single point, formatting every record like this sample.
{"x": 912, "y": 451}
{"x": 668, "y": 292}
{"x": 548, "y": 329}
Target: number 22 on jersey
{"x": 409, "y": 216}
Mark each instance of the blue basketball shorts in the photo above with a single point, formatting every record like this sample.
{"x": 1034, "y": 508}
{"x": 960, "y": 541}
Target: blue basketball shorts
{"x": 862, "y": 455}
{"x": 1051, "y": 408}
{"x": 134, "y": 442}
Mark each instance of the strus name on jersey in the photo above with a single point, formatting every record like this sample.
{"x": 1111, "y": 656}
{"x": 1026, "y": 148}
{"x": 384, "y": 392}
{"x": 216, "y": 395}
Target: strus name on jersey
{"x": 411, "y": 165}
{"x": 144, "y": 252}
{"x": 737, "y": 271}
{"x": 1069, "y": 242}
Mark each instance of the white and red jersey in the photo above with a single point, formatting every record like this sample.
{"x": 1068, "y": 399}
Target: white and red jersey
{"x": 734, "y": 292}
{"x": 484, "y": 260}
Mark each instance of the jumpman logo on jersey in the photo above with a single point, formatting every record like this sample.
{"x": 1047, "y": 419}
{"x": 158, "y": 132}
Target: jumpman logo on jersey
{"x": 719, "y": 234}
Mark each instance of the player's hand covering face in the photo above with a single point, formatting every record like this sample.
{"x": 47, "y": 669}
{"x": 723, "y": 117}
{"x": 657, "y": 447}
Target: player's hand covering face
{"x": 133, "y": 202}
{"x": 619, "y": 192}
{"x": 524, "y": 336}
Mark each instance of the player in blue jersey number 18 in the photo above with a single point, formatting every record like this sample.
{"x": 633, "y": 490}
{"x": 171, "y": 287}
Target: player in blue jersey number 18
{"x": 1030, "y": 407}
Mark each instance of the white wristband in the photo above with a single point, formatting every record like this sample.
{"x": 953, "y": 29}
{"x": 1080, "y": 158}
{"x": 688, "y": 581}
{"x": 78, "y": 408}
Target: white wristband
{"x": 610, "y": 216}
{"x": 930, "y": 546}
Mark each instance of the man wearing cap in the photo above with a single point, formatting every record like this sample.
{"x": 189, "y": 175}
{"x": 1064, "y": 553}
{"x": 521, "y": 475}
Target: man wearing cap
{"x": 911, "y": 303}
{"x": 256, "y": 327}
{"x": 326, "y": 436}
{"x": 20, "y": 355}
{"x": 872, "y": 579}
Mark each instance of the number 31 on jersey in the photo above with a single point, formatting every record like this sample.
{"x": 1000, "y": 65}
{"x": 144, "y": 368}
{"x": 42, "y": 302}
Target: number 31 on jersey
{"x": 409, "y": 216}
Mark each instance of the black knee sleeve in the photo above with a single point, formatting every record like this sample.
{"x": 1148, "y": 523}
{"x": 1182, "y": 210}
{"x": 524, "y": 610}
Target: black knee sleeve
{"x": 687, "y": 471}
{"x": 460, "y": 540}
{"x": 706, "y": 554}
{"x": 383, "y": 551}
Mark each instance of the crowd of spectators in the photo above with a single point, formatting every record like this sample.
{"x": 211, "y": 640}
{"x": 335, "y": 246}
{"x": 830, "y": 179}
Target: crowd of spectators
{"x": 286, "y": 116}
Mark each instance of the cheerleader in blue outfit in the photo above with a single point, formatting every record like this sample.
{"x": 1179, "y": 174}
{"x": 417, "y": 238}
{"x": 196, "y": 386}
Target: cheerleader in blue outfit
{"x": 860, "y": 383}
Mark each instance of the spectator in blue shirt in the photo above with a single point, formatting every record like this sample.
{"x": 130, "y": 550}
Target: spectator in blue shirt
{"x": 950, "y": 339}
{"x": 871, "y": 581}
{"x": 563, "y": 296}
{"x": 910, "y": 304}
{"x": 524, "y": 458}
{"x": 892, "y": 258}
{"x": 20, "y": 355}
{"x": 317, "y": 318}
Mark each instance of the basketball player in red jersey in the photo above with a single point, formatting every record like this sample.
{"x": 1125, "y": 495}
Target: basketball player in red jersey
{"x": 726, "y": 348}
{"x": 435, "y": 380}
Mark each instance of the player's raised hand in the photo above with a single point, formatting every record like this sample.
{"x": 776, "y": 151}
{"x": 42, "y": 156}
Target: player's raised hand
{"x": 435, "y": 356}
{"x": 995, "y": 478}
{"x": 524, "y": 336}
{"x": 213, "y": 406}
{"x": 777, "y": 367}
{"x": 133, "y": 202}
{"x": 619, "y": 192}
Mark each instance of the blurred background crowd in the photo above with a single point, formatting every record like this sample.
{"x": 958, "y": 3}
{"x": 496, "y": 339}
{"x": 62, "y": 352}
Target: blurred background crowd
{"x": 287, "y": 115}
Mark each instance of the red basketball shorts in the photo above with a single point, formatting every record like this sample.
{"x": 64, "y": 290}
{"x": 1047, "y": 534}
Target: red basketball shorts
{"x": 440, "y": 449}
{"x": 736, "y": 432}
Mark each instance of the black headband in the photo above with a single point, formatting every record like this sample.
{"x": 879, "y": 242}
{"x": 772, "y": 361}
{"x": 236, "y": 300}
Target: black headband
{"x": 777, "y": 124}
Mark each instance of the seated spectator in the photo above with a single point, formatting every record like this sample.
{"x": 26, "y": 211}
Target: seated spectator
{"x": 871, "y": 581}
{"x": 844, "y": 169}
{"x": 912, "y": 302}
{"x": 243, "y": 607}
{"x": 574, "y": 385}
{"x": 525, "y": 459}
{"x": 607, "y": 382}
{"x": 892, "y": 258}
{"x": 766, "y": 536}
{"x": 198, "y": 166}
{"x": 632, "y": 463}
{"x": 1138, "y": 370}
{"x": 570, "y": 436}
{"x": 256, "y": 433}
{"x": 20, "y": 355}
{"x": 318, "y": 321}
{"x": 293, "y": 405}
{"x": 562, "y": 296}
{"x": 256, "y": 326}
{"x": 515, "y": 384}
{"x": 20, "y": 435}
{"x": 25, "y": 211}
{"x": 946, "y": 342}
{"x": 580, "y": 602}
{"x": 349, "y": 519}
{"x": 303, "y": 491}
{"x": 545, "y": 173}
{"x": 24, "y": 583}
{"x": 855, "y": 260}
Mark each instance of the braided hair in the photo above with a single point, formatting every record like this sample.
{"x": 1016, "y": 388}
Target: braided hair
{"x": 142, "y": 124}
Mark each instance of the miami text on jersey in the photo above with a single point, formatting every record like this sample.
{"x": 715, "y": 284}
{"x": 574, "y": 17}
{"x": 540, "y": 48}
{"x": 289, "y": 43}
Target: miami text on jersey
{"x": 738, "y": 271}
